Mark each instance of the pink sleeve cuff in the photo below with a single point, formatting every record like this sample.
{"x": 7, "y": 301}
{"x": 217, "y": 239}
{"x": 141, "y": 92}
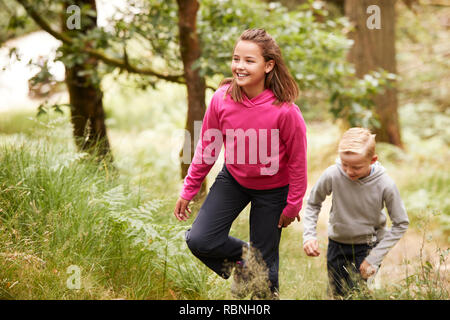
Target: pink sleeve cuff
{"x": 291, "y": 211}
{"x": 186, "y": 196}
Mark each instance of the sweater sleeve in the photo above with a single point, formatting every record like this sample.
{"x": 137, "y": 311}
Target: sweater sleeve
{"x": 400, "y": 222}
{"x": 319, "y": 192}
{"x": 293, "y": 135}
{"x": 206, "y": 152}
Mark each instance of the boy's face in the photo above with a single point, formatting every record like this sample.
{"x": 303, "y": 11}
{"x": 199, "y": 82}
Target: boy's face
{"x": 356, "y": 165}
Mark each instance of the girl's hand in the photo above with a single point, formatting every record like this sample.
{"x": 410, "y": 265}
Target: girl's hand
{"x": 311, "y": 248}
{"x": 182, "y": 210}
{"x": 285, "y": 221}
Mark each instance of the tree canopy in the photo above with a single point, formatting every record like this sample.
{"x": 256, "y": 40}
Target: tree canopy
{"x": 142, "y": 38}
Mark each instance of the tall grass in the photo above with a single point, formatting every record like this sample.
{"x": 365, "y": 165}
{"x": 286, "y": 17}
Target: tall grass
{"x": 59, "y": 208}
{"x": 424, "y": 278}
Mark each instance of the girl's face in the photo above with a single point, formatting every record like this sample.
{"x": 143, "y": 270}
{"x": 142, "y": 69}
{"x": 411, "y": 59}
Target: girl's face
{"x": 249, "y": 67}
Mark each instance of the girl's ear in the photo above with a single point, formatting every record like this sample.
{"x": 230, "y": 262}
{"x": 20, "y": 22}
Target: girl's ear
{"x": 269, "y": 66}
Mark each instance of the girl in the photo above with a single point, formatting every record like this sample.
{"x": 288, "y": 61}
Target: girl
{"x": 251, "y": 113}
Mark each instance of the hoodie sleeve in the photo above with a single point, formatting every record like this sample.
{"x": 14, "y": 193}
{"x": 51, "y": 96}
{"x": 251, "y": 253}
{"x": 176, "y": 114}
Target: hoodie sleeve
{"x": 206, "y": 152}
{"x": 293, "y": 134}
{"x": 397, "y": 213}
{"x": 319, "y": 192}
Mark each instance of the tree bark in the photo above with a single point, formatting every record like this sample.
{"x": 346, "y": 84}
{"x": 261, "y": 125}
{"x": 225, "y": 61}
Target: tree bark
{"x": 86, "y": 96}
{"x": 87, "y": 113}
{"x": 374, "y": 48}
{"x": 195, "y": 83}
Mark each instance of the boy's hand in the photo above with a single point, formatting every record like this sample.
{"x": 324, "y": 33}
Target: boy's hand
{"x": 285, "y": 221}
{"x": 180, "y": 209}
{"x": 311, "y": 248}
{"x": 366, "y": 269}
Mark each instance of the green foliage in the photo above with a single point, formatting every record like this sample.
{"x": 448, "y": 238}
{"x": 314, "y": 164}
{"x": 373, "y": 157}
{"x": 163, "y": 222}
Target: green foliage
{"x": 427, "y": 121}
{"x": 425, "y": 133}
{"x": 429, "y": 193}
{"x": 314, "y": 52}
{"x": 59, "y": 208}
{"x": 422, "y": 55}
{"x": 13, "y": 21}
{"x": 145, "y": 35}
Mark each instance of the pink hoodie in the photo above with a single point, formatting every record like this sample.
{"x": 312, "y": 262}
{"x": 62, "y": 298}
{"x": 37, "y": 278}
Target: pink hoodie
{"x": 265, "y": 146}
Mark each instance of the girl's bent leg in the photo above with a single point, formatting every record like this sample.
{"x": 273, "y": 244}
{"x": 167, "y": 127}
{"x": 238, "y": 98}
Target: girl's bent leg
{"x": 208, "y": 238}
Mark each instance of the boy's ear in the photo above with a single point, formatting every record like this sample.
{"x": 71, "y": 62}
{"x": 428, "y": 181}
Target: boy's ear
{"x": 269, "y": 65}
{"x": 374, "y": 159}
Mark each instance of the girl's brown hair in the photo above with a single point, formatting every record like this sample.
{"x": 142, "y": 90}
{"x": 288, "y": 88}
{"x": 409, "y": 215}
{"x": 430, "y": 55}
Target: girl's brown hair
{"x": 279, "y": 80}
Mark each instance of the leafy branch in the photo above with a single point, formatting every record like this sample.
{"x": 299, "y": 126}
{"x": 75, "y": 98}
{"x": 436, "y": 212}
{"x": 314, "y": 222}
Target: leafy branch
{"x": 123, "y": 64}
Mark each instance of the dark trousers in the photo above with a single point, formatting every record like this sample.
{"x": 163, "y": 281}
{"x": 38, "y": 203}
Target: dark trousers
{"x": 343, "y": 262}
{"x": 209, "y": 238}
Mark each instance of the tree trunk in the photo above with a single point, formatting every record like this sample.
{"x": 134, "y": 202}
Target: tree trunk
{"x": 374, "y": 48}
{"x": 86, "y": 96}
{"x": 190, "y": 51}
{"x": 87, "y": 114}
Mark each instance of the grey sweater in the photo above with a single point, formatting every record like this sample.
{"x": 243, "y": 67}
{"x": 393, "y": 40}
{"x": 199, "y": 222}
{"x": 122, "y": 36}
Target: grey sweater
{"x": 356, "y": 214}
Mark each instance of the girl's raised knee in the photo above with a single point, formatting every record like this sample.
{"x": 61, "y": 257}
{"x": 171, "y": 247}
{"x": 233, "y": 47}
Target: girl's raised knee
{"x": 199, "y": 244}
{"x": 196, "y": 243}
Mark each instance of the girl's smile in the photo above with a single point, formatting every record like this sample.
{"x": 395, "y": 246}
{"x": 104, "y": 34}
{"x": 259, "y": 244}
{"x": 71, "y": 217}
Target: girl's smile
{"x": 249, "y": 68}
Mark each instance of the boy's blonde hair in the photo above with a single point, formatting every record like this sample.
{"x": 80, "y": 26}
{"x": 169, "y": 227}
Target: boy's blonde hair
{"x": 358, "y": 140}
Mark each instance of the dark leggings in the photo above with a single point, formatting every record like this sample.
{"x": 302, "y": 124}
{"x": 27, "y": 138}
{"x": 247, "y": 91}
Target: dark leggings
{"x": 209, "y": 238}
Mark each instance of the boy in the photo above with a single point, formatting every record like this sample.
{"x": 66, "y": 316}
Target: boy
{"x": 358, "y": 239}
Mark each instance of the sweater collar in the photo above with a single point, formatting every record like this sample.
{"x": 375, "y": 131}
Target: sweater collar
{"x": 264, "y": 97}
{"x": 376, "y": 171}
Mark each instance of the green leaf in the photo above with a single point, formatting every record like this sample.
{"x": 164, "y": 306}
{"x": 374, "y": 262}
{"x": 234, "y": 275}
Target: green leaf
{"x": 41, "y": 110}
